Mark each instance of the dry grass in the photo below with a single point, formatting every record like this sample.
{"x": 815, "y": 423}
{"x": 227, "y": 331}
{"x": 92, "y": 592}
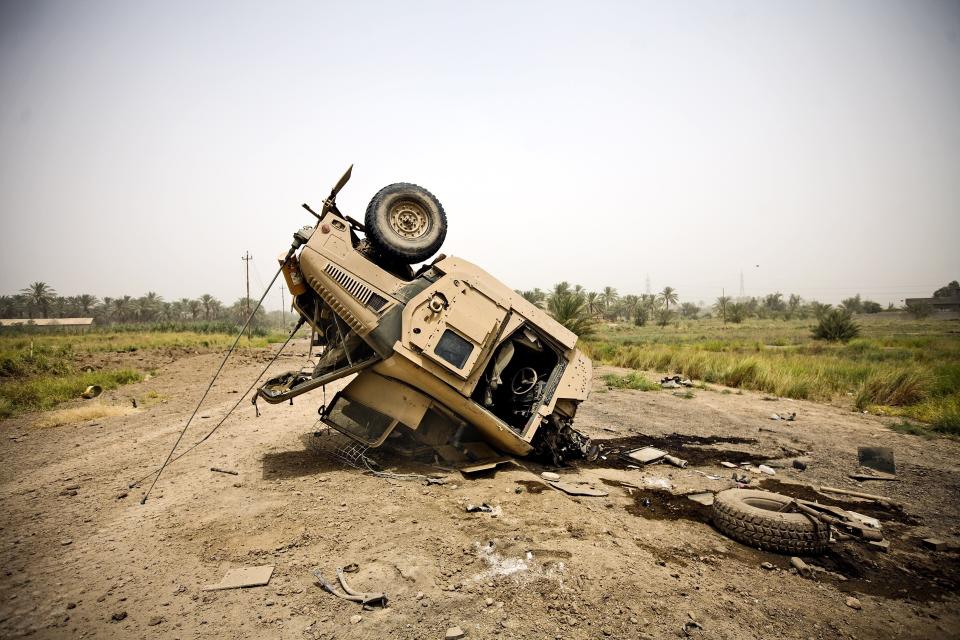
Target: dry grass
{"x": 82, "y": 413}
{"x": 899, "y": 367}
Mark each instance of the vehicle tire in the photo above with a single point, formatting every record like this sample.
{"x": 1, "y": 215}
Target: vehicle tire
{"x": 753, "y": 518}
{"x": 406, "y": 222}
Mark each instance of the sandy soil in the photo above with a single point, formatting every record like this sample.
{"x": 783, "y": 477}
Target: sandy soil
{"x": 79, "y": 561}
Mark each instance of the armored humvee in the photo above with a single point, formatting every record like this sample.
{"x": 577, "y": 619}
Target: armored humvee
{"x": 445, "y": 356}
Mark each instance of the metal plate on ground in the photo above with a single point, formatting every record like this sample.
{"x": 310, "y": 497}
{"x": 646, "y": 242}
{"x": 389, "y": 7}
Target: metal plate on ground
{"x": 646, "y": 454}
{"x": 579, "y": 489}
{"x": 879, "y": 458}
{"x": 484, "y": 465}
{"x": 705, "y": 498}
{"x": 243, "y": 577}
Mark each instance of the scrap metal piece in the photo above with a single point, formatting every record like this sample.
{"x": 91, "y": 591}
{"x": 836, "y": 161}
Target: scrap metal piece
{"x": 369, "y": 599}
{"x": 243, "y": 577}
{"x": 227, "y": 471}
{"x": 485, "y": 465}
{"x": 877, "y": 458}
{"x": 366, "y": 599}
{"x": 677, "y": 462}
{"x": 646, "y": 455}
{"x": 705, "y": 498}
{"x": 578, "y": 490}
{"x": 92, "y": 391}
{"x": 881, "y": 500}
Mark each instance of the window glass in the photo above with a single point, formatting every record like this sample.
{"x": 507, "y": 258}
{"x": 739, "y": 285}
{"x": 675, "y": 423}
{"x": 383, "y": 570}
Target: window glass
{"x": 454, "y": 349}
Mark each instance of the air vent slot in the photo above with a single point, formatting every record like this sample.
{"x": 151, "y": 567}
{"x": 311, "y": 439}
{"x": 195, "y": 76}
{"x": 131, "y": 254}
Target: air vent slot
{"x": 350, "y": 284}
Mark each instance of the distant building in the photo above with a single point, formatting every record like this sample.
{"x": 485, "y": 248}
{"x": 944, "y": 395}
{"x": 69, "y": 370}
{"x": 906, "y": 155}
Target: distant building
{"x": 951, "y": 303}
{"x": 82, "y": 323}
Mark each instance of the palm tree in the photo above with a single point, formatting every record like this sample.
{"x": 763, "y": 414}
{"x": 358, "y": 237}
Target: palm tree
{"x": 720, "y": 306}
{"x": 207, "y": 301}
{"x": 39, "y": 294}
{"x": 593, "y": 302}
{"x": 570, "y": 309}
{"x": 121, "y": 307}
{"x": 86, "y": 302}
{"x": 195, "y": 306}
{"x": 609, "y": 298}
{"x": 560, "y": 289}
{"x": 689, "y": 310}
{"x": 629, "y": 305}
{"x": 534, "y": 297}
{"x": 668, "y": 296}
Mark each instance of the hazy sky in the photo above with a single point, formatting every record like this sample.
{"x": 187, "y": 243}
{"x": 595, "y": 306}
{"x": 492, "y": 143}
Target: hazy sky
{"x": 146, "y": 146}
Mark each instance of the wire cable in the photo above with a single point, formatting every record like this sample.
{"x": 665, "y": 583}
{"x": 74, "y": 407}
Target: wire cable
{"x": 232, "y": 409}
{"x": 210, "y": 386}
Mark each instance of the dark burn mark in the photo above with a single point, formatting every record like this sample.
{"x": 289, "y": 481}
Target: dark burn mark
{"x": 908, "y": 572}
{"x": 697, "y": 450}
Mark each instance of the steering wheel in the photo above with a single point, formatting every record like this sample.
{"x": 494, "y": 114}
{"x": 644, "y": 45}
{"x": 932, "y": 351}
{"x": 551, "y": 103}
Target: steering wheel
{"x": 523, "y": 381}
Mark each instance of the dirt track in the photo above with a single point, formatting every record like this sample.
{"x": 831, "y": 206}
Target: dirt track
{"x": 638, "y": 563}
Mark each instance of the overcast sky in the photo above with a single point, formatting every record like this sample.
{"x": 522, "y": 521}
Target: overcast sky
{"x": 813, "y": 145}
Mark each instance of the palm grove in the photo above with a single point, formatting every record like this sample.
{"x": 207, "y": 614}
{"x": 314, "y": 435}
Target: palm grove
{"x": 572, "y": 305}
{"x": 40, "y": 300}
{"x": 579, "y": 310}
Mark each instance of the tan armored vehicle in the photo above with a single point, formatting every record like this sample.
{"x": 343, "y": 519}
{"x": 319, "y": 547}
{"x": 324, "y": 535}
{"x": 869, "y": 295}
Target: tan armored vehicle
{"x": 446, "y": 356}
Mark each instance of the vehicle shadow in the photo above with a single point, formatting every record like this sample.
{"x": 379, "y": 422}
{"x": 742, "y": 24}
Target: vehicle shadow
{"x": 328, "y": 451}
{"x": 318, "y": 456}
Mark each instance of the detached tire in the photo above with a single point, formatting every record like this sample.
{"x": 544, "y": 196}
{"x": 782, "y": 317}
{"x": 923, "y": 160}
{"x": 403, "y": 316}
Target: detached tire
{"x": 406, "y": 222}
{"x": 752, "y": 517}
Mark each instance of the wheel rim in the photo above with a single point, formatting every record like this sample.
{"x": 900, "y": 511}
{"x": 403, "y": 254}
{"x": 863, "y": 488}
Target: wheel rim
{"x": 409, "y": 220}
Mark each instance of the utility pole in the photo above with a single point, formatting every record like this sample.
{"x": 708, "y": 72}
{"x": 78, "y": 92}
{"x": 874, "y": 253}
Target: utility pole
{"x": 742, "y": 290}
{"x": 246, "y": 259}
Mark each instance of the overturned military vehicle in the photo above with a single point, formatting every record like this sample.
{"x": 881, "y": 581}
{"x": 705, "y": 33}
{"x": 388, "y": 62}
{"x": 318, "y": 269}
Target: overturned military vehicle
{"x": 445, "y": 356}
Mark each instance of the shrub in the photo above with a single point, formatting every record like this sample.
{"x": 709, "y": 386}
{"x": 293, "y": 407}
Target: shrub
{"x": 836, "y": 325}
{"x": 902, "y": 388}
{"x": 919, "y": 310}
{"x": 736, "y": 312}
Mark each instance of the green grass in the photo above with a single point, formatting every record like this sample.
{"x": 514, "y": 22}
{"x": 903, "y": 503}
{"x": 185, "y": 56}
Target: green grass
{"x": 898, "y": 366}
{"x": 39, "y": 371}
{"x": 633, "y": 380}
{"x": 39, "y": 393}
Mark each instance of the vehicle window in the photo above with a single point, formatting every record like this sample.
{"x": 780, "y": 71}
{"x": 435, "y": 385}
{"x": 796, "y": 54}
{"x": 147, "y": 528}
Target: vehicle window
{"x": 358, "y": 420}
{"x": 454, "y": 349}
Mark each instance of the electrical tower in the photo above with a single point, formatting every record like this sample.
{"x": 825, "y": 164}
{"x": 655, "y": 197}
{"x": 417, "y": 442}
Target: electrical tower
{"x": 648, "y": 285}
{"x": 246, "y": 259}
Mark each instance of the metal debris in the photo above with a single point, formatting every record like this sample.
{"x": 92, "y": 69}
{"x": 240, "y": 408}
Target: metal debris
{"x": 364, "y": 598}
{"x": 578, "y": 490}
{"x": 877, "y": 458}
{"x": 227, "y": 471}
{"x": 243, "y": 577}
{"x": 646, "y": 455}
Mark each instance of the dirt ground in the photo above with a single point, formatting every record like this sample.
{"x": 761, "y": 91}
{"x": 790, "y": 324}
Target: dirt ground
{"x": 79, "y": 561}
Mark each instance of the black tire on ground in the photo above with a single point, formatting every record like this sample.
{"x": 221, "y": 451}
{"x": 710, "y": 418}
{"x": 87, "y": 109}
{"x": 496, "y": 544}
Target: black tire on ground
{"x": 752, "y": 517}
{"x": 406, "y": 222}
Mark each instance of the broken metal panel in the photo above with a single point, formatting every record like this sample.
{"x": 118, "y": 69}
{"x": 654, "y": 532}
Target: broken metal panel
{"x": 243, "y": 577}
{"x": 389, "y": 397}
